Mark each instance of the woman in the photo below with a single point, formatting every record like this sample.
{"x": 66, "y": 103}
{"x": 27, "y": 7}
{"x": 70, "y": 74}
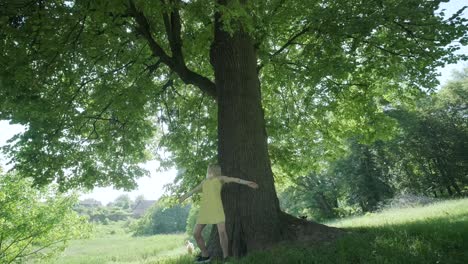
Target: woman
{"x": 211, "y": 208}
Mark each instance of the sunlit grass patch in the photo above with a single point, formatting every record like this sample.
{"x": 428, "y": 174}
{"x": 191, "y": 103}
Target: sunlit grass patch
{"x": 121, "y": 247}
{"x": 452, "y": 210}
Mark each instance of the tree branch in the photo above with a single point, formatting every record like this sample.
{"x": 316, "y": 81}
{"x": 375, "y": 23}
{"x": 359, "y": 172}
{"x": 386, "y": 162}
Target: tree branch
{"x": 172, "y": 25}
{"x": 43, "y": 247}
{"x": 285, "y": 45}
{"x": 176, "y": 62}
{"x": 415, "y": 38}
{"x": 22, "y": 250}
{"x": 291, "y": 40}
{"x": 376, "y": 45}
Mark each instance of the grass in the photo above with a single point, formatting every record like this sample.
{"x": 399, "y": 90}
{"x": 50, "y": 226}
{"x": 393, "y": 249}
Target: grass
{"x": 436, "y": 233}
{"x": 122, "y": 249}
{"x": 112, "y": 244}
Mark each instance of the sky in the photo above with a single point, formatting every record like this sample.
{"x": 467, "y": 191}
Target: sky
{"x": 450, "y": 8}
{"x": 152, "y": 187}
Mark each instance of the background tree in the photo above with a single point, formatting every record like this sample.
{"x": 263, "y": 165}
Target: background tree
{"x": 162, "y": 219}
{"x": 364, "y": 176}
{"x": 138, "y": 199}
{"x": 312, "y": 196}
{"x": 423, "y": 156}
{"x": 112, "y": 71}
{"x": 123, "y": 201}
{"x": 431, "y": 145}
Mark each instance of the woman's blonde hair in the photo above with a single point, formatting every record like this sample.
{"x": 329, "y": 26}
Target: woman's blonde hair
{"x": 214, "y": 169}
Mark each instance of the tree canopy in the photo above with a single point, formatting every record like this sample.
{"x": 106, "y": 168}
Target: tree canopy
{"x": 100, "y": 85}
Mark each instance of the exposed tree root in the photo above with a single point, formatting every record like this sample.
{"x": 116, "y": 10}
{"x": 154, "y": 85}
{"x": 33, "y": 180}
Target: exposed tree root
{"x": 295, "y": 231}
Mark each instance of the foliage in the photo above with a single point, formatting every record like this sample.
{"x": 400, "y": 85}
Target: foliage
{"x": 106, "y": 214}
{"x": 364, "y": 176}
{"x": 314, "y": 195}
{"x": 35, "y": 224}
{"x": 118, "y": 210}
{"x": 162, "y": 219}
{"x": 428, "y": 156}
{"x": 123, "y": 201}
{"x": 425, "y": 156}
{"x": 139, "y": 198}
{"x": 114, "y": 100}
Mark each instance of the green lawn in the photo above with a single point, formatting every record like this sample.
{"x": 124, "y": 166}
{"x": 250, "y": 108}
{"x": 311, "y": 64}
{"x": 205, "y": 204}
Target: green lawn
{"x": 111, "y": 244}
{"x": 436, "y": 233}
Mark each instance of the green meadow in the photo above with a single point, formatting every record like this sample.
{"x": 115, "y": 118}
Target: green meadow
{"x": 436, "y": 233}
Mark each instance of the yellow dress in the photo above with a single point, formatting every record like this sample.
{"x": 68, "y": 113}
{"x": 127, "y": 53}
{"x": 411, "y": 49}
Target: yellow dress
{"x": 211, "y": 206}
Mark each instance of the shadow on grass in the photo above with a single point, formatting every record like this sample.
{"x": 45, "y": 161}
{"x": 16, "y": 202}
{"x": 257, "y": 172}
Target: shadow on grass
{"x": 441, "y": 239}
{"x": 434, "y": 240}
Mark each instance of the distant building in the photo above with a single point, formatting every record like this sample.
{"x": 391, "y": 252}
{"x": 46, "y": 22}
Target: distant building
{"x": 141, "y": 207}
{"x": 90, "y": 203}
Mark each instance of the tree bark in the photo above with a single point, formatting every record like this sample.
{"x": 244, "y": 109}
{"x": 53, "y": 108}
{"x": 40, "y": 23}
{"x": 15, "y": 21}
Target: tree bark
{"x": 253, "y": 217}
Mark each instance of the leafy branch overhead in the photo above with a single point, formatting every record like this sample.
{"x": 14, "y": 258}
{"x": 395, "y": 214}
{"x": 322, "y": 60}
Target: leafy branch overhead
{"x": 175, "y": 62}
{"x": 100, "y": 85}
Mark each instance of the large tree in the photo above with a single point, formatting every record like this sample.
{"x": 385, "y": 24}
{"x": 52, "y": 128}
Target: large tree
{"x": 95, "y": 81}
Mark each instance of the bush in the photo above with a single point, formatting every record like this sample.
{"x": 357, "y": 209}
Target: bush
{"x": 35, "y": 224}
{"x": 161, "y": 219}
{"x": 105, "y": 214}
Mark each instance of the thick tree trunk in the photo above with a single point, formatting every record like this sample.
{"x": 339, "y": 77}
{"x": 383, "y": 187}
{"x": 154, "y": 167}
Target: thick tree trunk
{"x": 253, "y": 217}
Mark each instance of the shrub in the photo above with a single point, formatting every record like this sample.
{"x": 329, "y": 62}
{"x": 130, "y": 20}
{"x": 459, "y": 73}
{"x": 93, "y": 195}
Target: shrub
{"x": 161, "y": 219}
{"x": 35, "y": 223}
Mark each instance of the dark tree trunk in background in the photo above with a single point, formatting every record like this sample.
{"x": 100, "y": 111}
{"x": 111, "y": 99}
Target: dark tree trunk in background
{"x": 253, "y": 217}
{"x": 324, "y": 205}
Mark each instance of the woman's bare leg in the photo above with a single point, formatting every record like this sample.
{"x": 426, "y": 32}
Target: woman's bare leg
{"x": 197, "y": 234}
{"x": 223, "y": 239}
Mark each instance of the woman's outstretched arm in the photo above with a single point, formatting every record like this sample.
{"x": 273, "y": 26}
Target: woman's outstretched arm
{"x": 227, "y": 179}
{"x": 194, "y": 190}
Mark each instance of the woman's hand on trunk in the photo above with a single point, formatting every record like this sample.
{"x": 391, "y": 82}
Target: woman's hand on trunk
{"x": 252, "y": 185}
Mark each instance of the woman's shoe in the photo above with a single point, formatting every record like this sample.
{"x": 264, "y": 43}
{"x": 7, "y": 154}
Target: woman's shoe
{"x": 201, "y": 259}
